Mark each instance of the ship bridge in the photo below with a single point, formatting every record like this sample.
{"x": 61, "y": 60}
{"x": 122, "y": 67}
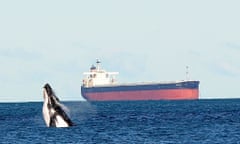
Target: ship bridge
{"x": 98, "y": 76}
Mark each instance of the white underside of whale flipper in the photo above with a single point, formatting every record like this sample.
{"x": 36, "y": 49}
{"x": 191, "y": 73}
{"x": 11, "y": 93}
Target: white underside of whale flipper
{"x": 60, "y": 122}
{"x": 45, "y": 110}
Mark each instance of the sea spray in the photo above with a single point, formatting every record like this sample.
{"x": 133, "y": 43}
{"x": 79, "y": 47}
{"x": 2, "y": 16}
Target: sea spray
{"x": 83, "y": 110}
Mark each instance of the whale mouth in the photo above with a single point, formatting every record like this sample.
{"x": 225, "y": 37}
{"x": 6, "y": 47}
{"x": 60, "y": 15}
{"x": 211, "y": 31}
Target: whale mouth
{"x": 49, "y": 93}
{"x": 48, "y": 89}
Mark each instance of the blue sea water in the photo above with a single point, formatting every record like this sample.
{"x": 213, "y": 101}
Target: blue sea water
{"x": 161, "y": 122}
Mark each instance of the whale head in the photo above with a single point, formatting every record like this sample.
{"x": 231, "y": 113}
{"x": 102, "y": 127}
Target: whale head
{"x": 53, "y": 111}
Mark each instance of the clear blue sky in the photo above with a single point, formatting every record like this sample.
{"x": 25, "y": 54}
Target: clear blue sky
{"x": 145, "y": 40}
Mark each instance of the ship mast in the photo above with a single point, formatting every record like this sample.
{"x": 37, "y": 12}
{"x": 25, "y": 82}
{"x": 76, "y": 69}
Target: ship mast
{"x": 98, "y": 64}
{"x": 187, "y": 72}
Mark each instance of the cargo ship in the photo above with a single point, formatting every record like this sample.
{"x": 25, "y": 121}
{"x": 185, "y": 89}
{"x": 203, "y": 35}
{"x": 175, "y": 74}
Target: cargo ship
{"x": 100, "y": 85}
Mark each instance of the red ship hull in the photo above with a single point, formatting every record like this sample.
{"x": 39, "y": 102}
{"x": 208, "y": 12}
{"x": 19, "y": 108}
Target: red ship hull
{"x": 187, "y": 90}
{"x": 179, "y": 94}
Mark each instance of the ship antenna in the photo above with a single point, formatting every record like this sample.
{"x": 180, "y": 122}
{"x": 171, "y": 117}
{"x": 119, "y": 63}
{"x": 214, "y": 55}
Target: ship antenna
{"x": 187, "y": 72}
{"x": 98, "y": 64}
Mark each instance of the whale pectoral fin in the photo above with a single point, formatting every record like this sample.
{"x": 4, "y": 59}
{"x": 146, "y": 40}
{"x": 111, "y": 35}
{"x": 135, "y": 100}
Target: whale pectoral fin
{"x": 70, "y": 123}
{"x": 64, "y": 116}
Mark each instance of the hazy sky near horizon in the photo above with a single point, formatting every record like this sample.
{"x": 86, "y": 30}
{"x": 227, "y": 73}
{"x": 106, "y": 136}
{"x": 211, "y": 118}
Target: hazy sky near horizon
{"x": 144, "y": 40}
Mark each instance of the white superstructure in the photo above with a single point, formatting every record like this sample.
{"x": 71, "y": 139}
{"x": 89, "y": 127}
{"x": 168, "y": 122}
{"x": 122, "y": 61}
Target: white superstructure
{"x": 97, "y": 76}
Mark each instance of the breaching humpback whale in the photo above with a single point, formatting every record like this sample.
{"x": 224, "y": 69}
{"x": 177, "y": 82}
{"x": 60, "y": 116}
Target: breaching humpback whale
{"x": 53, "y": 112}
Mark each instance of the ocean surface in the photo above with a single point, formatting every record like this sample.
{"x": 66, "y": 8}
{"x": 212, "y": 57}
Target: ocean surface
{"x": 160, "y": 122}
